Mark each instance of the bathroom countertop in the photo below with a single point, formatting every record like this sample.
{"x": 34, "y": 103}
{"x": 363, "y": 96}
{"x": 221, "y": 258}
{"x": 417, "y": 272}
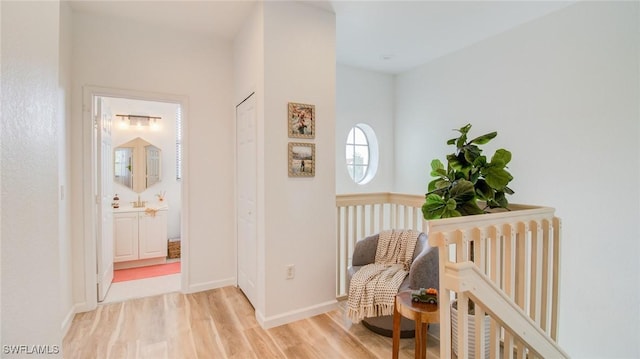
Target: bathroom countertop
{"x": 128, "y": 207}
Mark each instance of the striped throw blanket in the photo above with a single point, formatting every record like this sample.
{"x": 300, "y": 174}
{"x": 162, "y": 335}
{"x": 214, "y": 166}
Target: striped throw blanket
{"x": 373, "y": 288}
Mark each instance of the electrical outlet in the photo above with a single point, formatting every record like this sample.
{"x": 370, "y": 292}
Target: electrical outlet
{"x": 291, "y": 271}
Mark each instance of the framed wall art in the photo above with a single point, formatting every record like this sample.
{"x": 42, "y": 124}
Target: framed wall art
{"x": 302, "y": 159}
{"x": 302, "y": 120}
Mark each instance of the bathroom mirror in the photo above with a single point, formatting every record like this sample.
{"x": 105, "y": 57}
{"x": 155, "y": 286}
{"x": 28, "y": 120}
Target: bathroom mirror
{"x": 137, "y": 164}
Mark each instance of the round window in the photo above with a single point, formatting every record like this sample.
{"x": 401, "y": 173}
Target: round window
{"x": 361, "y": 153}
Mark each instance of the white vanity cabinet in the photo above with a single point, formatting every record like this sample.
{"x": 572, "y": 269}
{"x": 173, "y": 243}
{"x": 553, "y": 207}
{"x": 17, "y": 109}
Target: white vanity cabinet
{"x": 125, "y": 232}
{"x": 140, "y": 237}
{"x": 152, "y": 235}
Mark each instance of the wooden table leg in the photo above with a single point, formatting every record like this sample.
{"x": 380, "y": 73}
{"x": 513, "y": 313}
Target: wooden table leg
{"x": 424, "y": 341}
{"x": 418, "y": 349}
{"x": 396, "y": 330}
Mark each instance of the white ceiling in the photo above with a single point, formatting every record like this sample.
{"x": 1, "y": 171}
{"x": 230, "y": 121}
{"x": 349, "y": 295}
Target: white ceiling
{"x": 393, "y": 36}
{"x": 387, "y": 36}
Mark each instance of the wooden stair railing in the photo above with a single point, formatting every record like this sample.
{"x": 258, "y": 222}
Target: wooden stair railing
{"x": 466, "y": 278}
{"x": 518, "y": 251}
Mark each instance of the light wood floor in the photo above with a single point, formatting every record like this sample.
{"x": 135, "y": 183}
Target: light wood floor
{"x": 218, "y": 323}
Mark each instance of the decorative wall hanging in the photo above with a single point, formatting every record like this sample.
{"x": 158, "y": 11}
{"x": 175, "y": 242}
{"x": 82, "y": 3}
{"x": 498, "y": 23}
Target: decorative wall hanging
{"x": 302, "y": 120}
{"x": 302, "y": 159}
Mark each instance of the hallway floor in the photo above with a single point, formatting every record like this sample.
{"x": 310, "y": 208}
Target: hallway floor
{"x": 140, "y": 288}
{"x": 219, "y": 323}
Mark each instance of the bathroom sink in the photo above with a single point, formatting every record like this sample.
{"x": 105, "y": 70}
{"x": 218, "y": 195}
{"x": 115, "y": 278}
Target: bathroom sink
{"x": 141, "y": 204}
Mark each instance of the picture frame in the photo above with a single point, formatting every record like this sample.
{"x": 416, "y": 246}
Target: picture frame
{"x": 302, "y": 120}
{"x": 302, "y": 159}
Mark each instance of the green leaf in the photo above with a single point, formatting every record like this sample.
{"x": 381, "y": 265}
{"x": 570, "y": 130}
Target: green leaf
{"x": 436, "y": 207}
{"x": 436, "y": 164}
{"x": 481, "y": 140}
{"x": 508, "y": 190}
{"x": 502, "y": 156}
{"x": 452, "y": 141}
{"x": 454, "y": 162}
{"x": 480, "y": 162}
{"x": 433, "y": 207}
{"x": 471, "y": 153}
{"x": 483, "y": 190}
{"x": 451, "y": 213}
{"x": 464, "y": 130}
{"x": 496, "y": 163}
{"x": 469, "y": 209}
{"x": 432, "y": 185}
{"x": 440, "y": 172}
{"x": 461, "y": 140}
{"x": 462, "y": 191}
{"x": 437, "y": 169}
{"x": 474, "y": 176}
{"x": 497, "y": 178}
{"x": 501, "y": 199}
{"x": 437, "y": 184}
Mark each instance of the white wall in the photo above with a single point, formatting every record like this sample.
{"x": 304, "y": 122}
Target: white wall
{"x": 164, "y": 137}
{"x": 299, "y": 63}
{"x": 64, "y": 166}
{"x": 562, "y": 92}
{"x": 364, "y": 96}
{"x": 32, "y": 109}
{"x": 296, "y": 221}
{"x": 1, "y": 105}
{"x": 110, "y": 52}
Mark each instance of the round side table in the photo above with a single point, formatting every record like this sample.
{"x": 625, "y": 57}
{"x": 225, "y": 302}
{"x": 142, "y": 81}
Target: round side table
{"x": 421, "y": 313}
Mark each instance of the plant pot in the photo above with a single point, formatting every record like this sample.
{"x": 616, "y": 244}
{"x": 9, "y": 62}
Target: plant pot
{"x": 471, "y": 325}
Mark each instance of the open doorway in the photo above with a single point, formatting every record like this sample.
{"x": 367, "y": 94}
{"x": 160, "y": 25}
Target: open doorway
{"x": 137, "y": 156}
{"x": 146, "y": 141}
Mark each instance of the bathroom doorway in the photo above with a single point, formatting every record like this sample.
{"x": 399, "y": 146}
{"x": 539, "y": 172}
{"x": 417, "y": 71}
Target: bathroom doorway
{"x": 137, "y": 171}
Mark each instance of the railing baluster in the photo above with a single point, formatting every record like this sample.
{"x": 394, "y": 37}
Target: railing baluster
{"x": 347, "y": 236}
{"x": 361, "y": 218}
{"x": 407, "y": 225}
{"x": 339, "y": 263}
{"x": 509, "y": 278}
{"x": 494, "y": 242}
{"x": 556, "y": 277}
{"x": 344, "y": 247}
{"x": 534, "y": 302}
{"x": 372, "y": 218}
{"x": 521, "y": 264}
{"x": 395, "y": 219}
{"x": 544, "y": 309}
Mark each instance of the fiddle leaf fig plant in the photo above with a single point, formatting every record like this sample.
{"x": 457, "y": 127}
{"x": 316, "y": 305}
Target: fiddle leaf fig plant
{"x": 468, "y": 178}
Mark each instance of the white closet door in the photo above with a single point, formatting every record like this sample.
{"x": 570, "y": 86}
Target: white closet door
{"x": 246, "y": 152}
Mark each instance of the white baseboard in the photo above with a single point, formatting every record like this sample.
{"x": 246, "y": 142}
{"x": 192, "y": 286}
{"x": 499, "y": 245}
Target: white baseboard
{"x": 68, "y": 319}
{"x": 295, "y": 315}
{"x": 83, "y": 307}
{"x": 201, "y": 287}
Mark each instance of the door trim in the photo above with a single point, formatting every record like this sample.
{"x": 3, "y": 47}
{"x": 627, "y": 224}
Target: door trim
{"x": 89, "y": 192}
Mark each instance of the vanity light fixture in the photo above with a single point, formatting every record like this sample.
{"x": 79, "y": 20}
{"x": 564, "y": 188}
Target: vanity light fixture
{"x": 139, "y": 121}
